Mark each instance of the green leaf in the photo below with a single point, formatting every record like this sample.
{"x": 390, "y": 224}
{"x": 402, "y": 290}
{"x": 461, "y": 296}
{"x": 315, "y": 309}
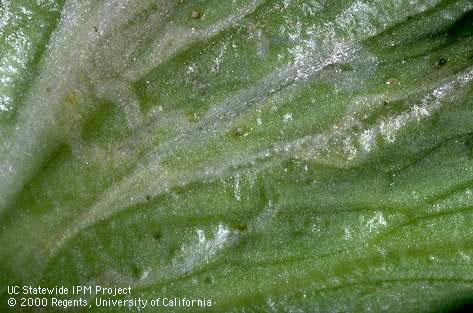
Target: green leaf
{"x": 270, "y": 156}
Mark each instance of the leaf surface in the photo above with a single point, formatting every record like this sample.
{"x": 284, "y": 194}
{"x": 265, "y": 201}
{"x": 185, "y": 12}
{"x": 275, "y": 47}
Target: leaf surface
{"x": 272, "y": 156}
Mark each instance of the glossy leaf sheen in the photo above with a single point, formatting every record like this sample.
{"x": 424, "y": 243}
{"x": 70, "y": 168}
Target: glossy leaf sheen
{"x": 274, "y": 156}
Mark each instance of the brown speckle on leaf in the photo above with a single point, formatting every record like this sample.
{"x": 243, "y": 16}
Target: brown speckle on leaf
{"x": 241, "y": 227}
{"x": 392, "y": 82}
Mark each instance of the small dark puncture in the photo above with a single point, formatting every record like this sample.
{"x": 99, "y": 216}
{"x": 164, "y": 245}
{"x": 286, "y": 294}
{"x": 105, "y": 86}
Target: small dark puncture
{"x": 441, "y": 62}
{"x": 157, "y": 235}
{"x": 238, "y": 132}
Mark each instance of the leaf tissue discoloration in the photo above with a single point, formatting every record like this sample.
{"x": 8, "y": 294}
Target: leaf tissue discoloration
{"x": 269, "y": 155}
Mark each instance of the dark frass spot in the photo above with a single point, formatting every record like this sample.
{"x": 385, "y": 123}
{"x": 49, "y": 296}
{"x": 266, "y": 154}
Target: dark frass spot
{"x": 195, "y": 14}
{"x": 96, "y": 29}
{"x": 157, "y": 235}
{"x": 385, "y": 102}
{"x": 148, "y": 197}
{"x": 441, "y": 62}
